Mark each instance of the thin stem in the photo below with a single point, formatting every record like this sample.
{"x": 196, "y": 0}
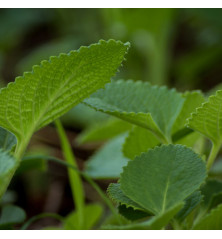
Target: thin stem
{"x": 213, "y": 154}
{"x": 74, "y": 178}
{"x": 84, "y": 175}
{"x": 42, "y": 215}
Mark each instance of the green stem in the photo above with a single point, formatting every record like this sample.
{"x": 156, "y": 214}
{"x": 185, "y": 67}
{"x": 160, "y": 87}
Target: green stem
{"x": 74, "y": 178}
{"x": 85, "y": 176}
{"x": 42, "y": 215}
{"x": 213, "y": 154}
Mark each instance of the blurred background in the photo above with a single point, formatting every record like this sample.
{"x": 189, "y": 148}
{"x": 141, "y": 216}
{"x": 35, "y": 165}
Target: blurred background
{"x": 180, "y": 48}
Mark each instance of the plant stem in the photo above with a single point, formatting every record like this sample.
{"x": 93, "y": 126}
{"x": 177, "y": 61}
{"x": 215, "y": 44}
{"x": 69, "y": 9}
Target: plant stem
{"x": 74, "y": 178}
{"x": 42, "y": 215}
{"x": 213, "y": 154}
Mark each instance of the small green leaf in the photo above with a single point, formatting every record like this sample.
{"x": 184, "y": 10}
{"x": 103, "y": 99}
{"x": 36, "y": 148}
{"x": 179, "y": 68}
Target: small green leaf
{"x": 8, "y": 165}
{"x": 212, "y": 221}
{"x": 7, "y": 140}
{"x": 54, "y": 87}
{"x": 108, "y": 161}
{"x": 103, "y": 131}
{"x": 139, "y": 140}
{"x": 116, "y": 194}
{"x": 190, "y": 204}
{"x": 131, "y": 214}
{"x": 155, "y": 223}
{"x": 152, "y": 107}
{"x": 163, "y": 177}
{"x": 208, "y": 118}
{"x": 11, "y": 215}
{"x": 93, "y": 213}
{"x": 210, "y": 189}
{"x": 193, "y": 100}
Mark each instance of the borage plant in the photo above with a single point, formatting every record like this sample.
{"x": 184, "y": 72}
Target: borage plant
{"x": 156, "y": 143}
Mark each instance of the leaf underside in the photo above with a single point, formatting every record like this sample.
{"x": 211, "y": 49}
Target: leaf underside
{"x": 54, "y": 87}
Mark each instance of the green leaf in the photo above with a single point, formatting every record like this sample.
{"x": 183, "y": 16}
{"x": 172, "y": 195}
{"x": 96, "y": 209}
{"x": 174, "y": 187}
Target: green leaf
{"x": 193, "y": 100}
{"x": 117, "y": 195}
{"x": 131, "y": 214}
{"x": 190, "y": 204}
{"x": 11, "y": 215}
{"x": 8, "y": 165}
{"x": 139, "y": 140}
{"x": 152, "y": 107}
{"x": 155, "y": 223}
{"x": 212, "y": 221}
{"x": 210, "y": 189}
{"x": 108, "y": 161}
{"x": 7, "y": 140}
{"x": 93, "y": 213}
{"x": 103, "y": 131}
{"x": 163, "y": 177}
{"x": 208, "y": 119}
{"x": 54, "y": 87}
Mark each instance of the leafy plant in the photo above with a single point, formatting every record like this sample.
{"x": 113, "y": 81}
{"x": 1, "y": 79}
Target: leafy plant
{"x": 154, "y": 145}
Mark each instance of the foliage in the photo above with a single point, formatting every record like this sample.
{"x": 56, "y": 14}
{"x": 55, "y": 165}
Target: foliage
{"x": 153, "y": 143}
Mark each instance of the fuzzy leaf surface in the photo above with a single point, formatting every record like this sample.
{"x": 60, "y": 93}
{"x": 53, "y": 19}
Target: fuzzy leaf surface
{"x": 117, "y": 195}
{"x": 152, "y": 107}
{"x": 208, "y": 118}
{"x": 108, "y": 161}
{"x": 163, "y": 177}
{"x": 55, "y": 86}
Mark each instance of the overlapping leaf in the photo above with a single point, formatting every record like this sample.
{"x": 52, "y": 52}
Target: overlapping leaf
{"x": 108, "y": 161}
{"x": 208, "y": 118}
{"x": 163, "y": 177}
{"x": 151, "y": 107}
{"x": 51, "y": 89}
{"x": 212, "y": 221}
{"x": 139, "y": 140}
{"x": 7, "y": 139}
{"x": 7, "y": 168}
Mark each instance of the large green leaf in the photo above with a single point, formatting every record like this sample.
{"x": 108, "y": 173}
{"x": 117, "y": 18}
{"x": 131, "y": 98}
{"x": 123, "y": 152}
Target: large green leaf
{"x": 139, "y": 140}
{"x": 7, "y": 168}
{"x": 163, "y": 177}
{"x": 208, "y": 118}
{"x": 212, "y": 221}
{"x": 108, "y": 161}
{"x": 11, "y": 215}
{"x": 152, "y": 107}
{"x": 7, "y": 139}
{"x": 54, "y": 87}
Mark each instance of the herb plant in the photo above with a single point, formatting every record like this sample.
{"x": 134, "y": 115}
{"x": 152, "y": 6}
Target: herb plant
{"x": 156, "y": 143}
